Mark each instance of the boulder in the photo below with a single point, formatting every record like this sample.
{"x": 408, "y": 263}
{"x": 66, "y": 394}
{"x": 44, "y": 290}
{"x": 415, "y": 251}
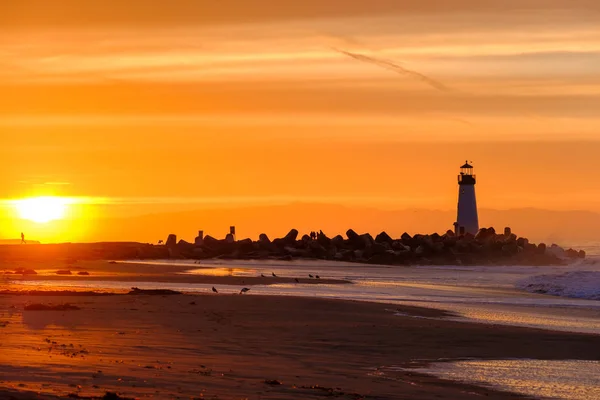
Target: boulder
{"x": 358, "y": 254}
{"x": 245, "y": 246}
{"x": 581, "y": 254}
{"x": 291, "y": 236}
{"x": 171, "y": 240}
{"x": 385, "y": 258}
{"x": 383, "y": 237}
{"x": 572, "y": 253}
{"x": 399, "y": 246}
{"x": 229, "y": 238}
{"x": 541, "y": 248}
{"x": 338, "y": 241}
{"x": 323, "y": 240}
{"x": 522, "y": 242}
{"x": 367, "y": 239}
{"x": 264, "y": 239}
{"x": 405, "y": 237}
{"x": 306, "y": 239}
{"x": 294, "y": 252}
{"x": 211, "y": 242}
{"x": 352, "y": 236}
{"x": 317, "y": 250}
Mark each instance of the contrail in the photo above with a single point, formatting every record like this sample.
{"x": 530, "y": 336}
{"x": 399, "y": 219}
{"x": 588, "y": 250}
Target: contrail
{"x": 396, "y": 68}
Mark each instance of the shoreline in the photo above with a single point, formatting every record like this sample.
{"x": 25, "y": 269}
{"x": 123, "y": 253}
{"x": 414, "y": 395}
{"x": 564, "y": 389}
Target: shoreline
{"x": 326, "y": 340}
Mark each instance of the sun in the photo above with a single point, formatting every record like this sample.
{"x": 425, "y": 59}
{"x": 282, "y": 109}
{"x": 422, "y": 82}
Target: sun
{"x": 42, "y": 209}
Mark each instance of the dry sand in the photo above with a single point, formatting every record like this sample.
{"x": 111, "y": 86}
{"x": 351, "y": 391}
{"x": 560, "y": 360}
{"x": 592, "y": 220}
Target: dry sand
{"x": 228, "y": 346}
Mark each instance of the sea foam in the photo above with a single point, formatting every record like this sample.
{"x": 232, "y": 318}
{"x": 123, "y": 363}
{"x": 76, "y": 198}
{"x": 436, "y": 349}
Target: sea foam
{"x": 575, "y": 284}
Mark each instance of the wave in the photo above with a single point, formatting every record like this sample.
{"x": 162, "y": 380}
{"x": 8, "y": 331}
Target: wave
{"x": 575, "y": 284}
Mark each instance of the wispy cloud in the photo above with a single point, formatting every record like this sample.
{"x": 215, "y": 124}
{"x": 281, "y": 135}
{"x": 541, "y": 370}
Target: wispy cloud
{"x": 392, "y": 66}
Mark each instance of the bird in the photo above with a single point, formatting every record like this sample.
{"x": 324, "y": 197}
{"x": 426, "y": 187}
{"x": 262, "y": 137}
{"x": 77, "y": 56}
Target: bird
{"x": 310, "y": 276}
{"x": 262, "y": 275}
{"x": 273, "y": 273}
{"x": 244, "y": 290}
{"x": 215, "y": 290}
{"x": 318, "y": 277}
{"x": 296, "y": 279}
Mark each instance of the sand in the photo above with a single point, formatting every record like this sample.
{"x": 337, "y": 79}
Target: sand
{"x": 228, "y": 347}
{"x": 134, "y": 272}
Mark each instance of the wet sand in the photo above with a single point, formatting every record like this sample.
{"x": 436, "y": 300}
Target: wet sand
{"x": 231, "y": 346}
{"x": 158, "y": 273}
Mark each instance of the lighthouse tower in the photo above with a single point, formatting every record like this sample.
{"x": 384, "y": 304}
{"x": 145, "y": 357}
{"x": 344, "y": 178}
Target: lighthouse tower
{"x": 467, "y": 220}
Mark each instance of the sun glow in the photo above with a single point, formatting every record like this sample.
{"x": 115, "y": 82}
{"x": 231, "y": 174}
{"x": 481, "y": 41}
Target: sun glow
{"x": 42, "y": 209}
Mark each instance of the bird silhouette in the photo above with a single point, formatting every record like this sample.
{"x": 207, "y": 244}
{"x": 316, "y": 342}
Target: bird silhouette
{"x": 215, "y": 290}
{"x": 318, "y": 277}
{"x": 310, "y": 276}
{"x": 262, "y": 275}
{"x": 273, "y": 273}
{"x": 244, "y": 290}
{"x": 296, "y": 279}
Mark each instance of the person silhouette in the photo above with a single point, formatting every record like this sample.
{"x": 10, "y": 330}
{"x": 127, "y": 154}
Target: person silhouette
{"x": 23, "y": 238}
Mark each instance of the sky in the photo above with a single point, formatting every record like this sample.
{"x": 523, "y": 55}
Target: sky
{"x": 138, "y": 107}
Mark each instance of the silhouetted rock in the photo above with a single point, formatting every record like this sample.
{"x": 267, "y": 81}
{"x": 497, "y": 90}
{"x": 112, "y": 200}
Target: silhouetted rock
{"x": 171, "y": 240}
{"x": 581, "y": 254}
{"x": 83, "y": 273}
{"x": 541, "y": 248}
{"x": 337, "y": 241}
{"x": 353, "y": 237}
{"x": 264, "y": 239}
{"x": 291, "y": 236}
{"x": 572, "y": 253}
{"x": 383, "y": 237}
{"x": 323, "y": 240}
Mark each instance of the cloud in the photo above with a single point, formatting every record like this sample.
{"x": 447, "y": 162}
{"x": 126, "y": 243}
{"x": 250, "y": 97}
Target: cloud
{"x": 396, "y": 68}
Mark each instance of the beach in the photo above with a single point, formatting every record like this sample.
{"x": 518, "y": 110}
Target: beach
{"x": 243, "y": 346}
{"x": 356, "y": 332}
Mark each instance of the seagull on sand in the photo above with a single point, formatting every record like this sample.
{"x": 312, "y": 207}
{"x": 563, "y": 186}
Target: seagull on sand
{"x": 262, "y": 275}
{"x": 318, "y": 277}
{"x": 215, "y": 290}
{"x": 244, "y": 290}
{"x": 273, "y": 273}
{"x": 310, "y": 276}
{"x": 296, "y": 279}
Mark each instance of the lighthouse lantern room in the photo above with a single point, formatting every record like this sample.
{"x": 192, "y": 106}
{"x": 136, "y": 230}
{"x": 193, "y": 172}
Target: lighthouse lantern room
{"x": 467, "y": 220}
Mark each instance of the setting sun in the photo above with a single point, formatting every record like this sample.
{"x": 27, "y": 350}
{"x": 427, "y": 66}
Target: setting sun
{"x": 42, "y": 209}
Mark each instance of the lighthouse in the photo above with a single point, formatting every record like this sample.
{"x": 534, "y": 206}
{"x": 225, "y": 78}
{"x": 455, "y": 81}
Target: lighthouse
{"x": 466, "y": 220}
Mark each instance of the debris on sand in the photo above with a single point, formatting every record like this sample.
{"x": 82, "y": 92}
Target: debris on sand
{"x": 114, "y": 396}
{"x": 44, "y": 307}
{"x": 64, "y": 272}
{"x": 83, "y": 273}
{"x": 153, "y": 292}
{"x": 23, "y": 271}
{"x": 272, "y": 382}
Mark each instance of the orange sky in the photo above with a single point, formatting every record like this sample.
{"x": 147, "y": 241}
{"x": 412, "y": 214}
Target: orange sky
{"x": 144, "y": 107}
